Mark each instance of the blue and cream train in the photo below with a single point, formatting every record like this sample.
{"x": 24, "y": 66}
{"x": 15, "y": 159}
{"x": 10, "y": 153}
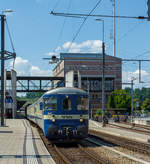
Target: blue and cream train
{"x": 62, "y": 113}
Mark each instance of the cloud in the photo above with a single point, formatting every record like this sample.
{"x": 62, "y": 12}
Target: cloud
{"x": 51, "y": 54}
{"x": 90, "y": 46}
{"x": 38, "y": 1}
{"x": 35, "y": 71}
{"x": 94, "y": 46}
{"x": 24, "y": 68}
{"x": 145, "y": 78}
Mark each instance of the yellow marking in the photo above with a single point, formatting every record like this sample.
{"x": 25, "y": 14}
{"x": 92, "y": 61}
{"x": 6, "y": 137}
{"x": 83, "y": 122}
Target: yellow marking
{"x": 50, "y": 116}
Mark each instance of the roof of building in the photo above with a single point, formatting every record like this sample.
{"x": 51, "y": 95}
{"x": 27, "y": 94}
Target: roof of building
{"x": 84, "y": 55}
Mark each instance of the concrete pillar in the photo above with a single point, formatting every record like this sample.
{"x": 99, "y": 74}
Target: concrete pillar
{"x": 13, "y": 84}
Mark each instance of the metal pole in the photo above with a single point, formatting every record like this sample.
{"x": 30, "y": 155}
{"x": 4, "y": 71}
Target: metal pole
{"x": 88, "y": 89}
{"x": 2, "y": 68}
{"x": 114, "y": 28}
{"x": 103, "y": 74}
{"x": 131, "y": 101}
{"x": 140, "y": 71}
{"x": 103, "y": 85}
{"x": 64, "y": 74}
{"x": 103, "y": 78}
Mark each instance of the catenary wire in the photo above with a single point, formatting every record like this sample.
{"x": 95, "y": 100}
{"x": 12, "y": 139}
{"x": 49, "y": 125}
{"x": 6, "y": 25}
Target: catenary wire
{"x": 130, "y": 30}
{"x": 12, "y": 45}
{"x": 144, "y": 53}
{"x": 10, "y": 36}
{"x": 62, "y": 29}
{"x": 79, "y": 29}
{"x": 126, "y": 33}
{"x": 56, "y": 4}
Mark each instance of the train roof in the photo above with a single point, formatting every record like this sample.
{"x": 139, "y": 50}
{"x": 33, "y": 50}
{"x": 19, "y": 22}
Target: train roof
{"x": 66, "y": 90}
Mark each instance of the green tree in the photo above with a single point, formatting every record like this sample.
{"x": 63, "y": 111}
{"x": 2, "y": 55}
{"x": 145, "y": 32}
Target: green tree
{"x": 119, "y": 99}
{"x": 146, "y": 104}
{"x": 99, "y": 112}
{"x": 141, "y": 94}
{"x": 135, "y": 101}
{"x": 34, "y": 95}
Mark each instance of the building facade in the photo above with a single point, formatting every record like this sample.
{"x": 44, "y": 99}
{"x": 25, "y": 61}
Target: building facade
{"x": 89, "y": 67}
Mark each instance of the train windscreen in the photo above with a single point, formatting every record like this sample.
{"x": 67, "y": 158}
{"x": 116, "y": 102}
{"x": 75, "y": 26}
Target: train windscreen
{"x": 50, "y": 103}
{"x": 82, "y": 103}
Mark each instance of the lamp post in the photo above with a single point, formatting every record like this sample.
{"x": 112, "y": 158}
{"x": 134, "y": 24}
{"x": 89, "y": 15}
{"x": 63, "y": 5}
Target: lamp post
{"x": 3, "y": 63}
{"x": 103, "y": 74}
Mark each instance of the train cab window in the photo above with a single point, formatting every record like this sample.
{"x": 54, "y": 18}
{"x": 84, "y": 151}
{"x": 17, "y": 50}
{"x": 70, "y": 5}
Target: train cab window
{"x": 67, "y": 103}
{"x": 82, "y": 103}
{"x": 50, "y": 103}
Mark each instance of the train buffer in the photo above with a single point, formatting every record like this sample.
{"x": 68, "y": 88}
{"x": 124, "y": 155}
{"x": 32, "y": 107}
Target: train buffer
{"x": 21, "y": 144}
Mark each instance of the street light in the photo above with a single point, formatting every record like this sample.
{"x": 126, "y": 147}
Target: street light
{"x": 3, "y": 63}
{"x": 103, "y": 74}
{"x": 7, "y": 11}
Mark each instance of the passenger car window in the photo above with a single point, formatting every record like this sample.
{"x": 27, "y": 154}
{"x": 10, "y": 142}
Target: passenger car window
{"x": 82, "y": 103}
{"x": 67, "y": 103}
{"x": 50, "y": 103}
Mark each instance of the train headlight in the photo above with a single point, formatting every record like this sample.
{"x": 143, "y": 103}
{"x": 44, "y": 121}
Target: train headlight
{"x": 53, "y": 118}
{"x": 81, "y": 119}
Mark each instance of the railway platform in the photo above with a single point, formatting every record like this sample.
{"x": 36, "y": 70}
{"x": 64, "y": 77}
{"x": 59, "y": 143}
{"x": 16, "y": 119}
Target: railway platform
{"x": 21, "y": 144}
{"x": 94, "y": 125}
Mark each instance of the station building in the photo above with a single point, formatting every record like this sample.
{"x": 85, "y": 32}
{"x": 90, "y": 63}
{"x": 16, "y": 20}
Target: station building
{"x": 87, "y": 74}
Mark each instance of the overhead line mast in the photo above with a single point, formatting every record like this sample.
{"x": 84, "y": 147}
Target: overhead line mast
{"x": 5, "y": 55}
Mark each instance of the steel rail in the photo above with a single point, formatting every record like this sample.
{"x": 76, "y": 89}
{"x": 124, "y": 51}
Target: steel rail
{"x": 123, "y": 142}
{"x": 64, "y": 158}
{"x": 92, "y": 155}
{"x": 133, "y": 128}
{"x": 147, "y": 127}
{"x": 109, "y": 147}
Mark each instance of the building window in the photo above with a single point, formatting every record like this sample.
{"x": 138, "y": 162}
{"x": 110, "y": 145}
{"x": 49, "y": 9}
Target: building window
{"x": 94, "y": 85}
{"x": 109, "y": 85}
{"x": 93, "y": 96}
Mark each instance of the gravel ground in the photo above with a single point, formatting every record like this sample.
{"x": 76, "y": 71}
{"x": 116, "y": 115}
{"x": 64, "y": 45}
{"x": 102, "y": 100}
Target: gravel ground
{"x": 114, "y": 157}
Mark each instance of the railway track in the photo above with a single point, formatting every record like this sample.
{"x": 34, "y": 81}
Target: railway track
{"x": 78, "y": 154}
{"x": 123, "y": 142}
{"x": 114, "y": 152}
{"x": 132, "y": 128}
{"x": 70, "y": 154}
{"x": 84, "y": 153}
{"x": 147, "y": 127}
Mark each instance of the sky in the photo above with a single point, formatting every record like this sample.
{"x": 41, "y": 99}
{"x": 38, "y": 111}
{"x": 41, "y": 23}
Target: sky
{"x": 37, "y": 34}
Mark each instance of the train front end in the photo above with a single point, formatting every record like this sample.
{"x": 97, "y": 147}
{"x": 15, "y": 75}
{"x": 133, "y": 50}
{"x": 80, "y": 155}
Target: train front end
{"x": 66, "y": 114}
